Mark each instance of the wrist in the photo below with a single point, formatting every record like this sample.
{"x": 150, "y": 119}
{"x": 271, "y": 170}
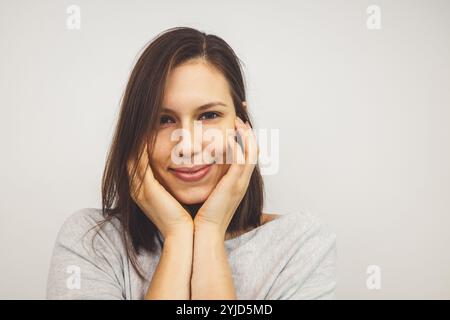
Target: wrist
{"x": 179, "y": 232}
{"x": 209, "y": 231}
{"x": 203, "y": 222}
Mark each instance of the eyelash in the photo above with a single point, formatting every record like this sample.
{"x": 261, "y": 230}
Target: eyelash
{"x": 206, "y": 113}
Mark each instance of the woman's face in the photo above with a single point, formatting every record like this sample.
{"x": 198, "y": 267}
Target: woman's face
{"x": 191, "y": 85}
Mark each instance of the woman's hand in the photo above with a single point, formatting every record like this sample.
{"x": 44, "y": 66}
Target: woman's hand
{"x": 155, "y": 201}
{"x": 218, "y": 210}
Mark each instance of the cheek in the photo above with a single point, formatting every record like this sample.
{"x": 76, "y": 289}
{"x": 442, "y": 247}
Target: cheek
{"x": 161, "y": 153}
{"x": 218, "y": 147}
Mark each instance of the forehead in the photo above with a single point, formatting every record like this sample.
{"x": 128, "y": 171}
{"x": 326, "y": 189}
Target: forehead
{"x": 193, "y": 84}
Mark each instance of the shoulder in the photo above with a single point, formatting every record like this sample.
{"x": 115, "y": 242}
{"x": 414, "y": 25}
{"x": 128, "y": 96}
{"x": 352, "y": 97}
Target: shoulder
{"x": 300, "y": 223}
{"x": 303, "y": 234}
{"x": 267, "y": 217}
{"x": 308, "y": 246}
{"x": 84, "y": 215}
{"x": 84, "y": 224}
{"x": 294, "y": 230}
{"x": 310, "y": 223}
{"x": 310, "y": 233}
{"x": 81, "y": 220}
{"x": 85, "y": 253}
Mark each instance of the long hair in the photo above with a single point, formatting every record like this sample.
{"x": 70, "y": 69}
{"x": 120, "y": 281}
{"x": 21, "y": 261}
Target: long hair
{"x": 139, "y": 119}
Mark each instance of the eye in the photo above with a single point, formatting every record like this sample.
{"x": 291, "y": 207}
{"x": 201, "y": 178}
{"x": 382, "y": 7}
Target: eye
{"x": 165, "y": 119}
{"x": 210, "y": 115}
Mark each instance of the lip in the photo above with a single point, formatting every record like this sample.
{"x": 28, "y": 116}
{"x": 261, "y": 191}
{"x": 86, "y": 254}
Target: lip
{"x": 190, "y": 174}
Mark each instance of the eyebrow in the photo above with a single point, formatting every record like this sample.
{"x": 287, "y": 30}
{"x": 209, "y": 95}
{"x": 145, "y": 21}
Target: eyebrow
{"x": 200, "y": 108}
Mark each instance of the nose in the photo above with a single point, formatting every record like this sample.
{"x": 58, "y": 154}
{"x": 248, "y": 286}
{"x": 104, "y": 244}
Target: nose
{"x": 189, "y": 149}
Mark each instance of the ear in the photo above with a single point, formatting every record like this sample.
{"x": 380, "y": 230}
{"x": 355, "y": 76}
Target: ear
{"x": 244, "y": 104}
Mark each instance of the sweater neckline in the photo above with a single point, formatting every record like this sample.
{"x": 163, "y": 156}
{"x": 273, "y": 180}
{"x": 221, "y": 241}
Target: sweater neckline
{"x": 246, "y": 234}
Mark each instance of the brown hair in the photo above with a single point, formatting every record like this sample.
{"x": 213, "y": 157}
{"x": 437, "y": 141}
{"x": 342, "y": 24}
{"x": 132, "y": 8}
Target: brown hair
{"x": 139, "y": 119}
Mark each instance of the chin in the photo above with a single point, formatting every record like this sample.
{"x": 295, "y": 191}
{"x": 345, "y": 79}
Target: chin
{"x": 193, "y": 195}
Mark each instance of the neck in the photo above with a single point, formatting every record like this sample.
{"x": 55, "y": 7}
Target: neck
{"x": 192, "y": 208}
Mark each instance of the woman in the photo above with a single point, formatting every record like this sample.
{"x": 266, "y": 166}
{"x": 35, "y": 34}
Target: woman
{"x": 179, "y": 219}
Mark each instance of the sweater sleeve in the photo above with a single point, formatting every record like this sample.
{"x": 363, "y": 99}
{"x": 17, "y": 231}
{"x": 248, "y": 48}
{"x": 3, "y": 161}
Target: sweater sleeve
{"x": 80, "y": 268}
{"x": 311, "y": 272}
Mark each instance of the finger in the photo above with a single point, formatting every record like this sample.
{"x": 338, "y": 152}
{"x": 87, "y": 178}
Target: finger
{"x": 142, "y": 160}
{"x": 142, "y": 169}
{"x": 233, "y": 146}
{"x": 251, "y": 149}
{"x": 253, "y": 152}
{"x": 241, "y": 131}
{"x": 240, "y": 128}
{"x": 131, "y": 175}
{"x": 247, "y": 135}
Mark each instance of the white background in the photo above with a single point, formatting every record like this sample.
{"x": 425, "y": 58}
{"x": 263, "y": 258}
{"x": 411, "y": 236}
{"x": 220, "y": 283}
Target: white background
{"x": 363, "y": 118}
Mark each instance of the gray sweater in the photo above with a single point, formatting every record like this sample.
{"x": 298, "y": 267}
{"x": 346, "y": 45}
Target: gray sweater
{"x": 290, "y": 257}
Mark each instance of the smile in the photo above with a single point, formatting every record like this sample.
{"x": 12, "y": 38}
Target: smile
{"x": 195, "y": 173}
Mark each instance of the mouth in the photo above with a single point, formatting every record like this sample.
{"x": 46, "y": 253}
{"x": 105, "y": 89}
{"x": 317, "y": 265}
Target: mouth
{"x": 190, "y": 174}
